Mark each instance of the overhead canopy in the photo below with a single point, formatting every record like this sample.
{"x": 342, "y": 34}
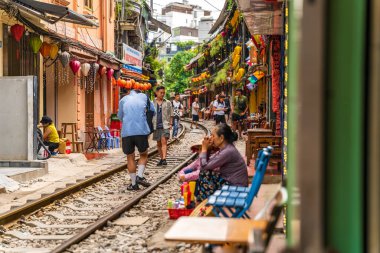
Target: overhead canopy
{"x": 161, "y": 25}
{"x": 51, "y": 13}
{"x": 222, "y": 19}
{"x": 262, "y": 17}
{"x": 196, "y": 58}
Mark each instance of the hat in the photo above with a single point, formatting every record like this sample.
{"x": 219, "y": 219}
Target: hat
{"x": 46, "y": 120}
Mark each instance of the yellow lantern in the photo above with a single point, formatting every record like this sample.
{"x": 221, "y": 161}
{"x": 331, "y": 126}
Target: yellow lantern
{"x": 53, "y": 51}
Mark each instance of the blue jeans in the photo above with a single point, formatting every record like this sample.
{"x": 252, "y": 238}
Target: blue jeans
{"x": 175, "y": 127}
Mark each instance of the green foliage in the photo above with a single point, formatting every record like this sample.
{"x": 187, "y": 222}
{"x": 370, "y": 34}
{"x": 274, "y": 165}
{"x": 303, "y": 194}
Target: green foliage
{"x": 176, "y": 78}
{"x": 201, "y": 61}
{"x": 221, "y": 76}
{"x": 230, "y": 5}
{"x": 216, "y": 45}
{"x": 186, "y": 45}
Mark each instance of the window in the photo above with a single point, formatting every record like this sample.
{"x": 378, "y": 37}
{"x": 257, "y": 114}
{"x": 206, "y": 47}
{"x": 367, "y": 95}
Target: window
{"x": 190, "y": 34}
{"x": 88, "y": 4}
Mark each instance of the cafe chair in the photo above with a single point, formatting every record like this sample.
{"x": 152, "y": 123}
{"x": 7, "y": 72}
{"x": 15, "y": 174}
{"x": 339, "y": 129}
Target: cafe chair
{"x": 234, "y": 201}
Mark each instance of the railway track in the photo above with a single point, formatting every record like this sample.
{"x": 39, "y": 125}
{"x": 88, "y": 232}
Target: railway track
{"x": 64, "y": 218}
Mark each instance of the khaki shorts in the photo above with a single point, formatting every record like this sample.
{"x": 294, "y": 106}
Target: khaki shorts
{"x": 159, "y": 133}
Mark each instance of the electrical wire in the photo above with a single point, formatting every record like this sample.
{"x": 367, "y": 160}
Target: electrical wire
{"x": 212, "y": 5}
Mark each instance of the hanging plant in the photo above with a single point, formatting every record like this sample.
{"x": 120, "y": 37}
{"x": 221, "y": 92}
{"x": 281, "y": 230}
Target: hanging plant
{"x": 201, "y": 61}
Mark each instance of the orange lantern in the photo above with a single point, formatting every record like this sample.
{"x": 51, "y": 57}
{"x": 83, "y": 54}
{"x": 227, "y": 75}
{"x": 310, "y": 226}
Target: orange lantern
{"x": 149, "y": 86}
{"x": 133, "y": 82}
{"x": 128, "y": 84}
{"x": 45, "y": 49}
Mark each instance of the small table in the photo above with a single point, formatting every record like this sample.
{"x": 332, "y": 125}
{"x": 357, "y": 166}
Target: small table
{"x": 213, "y": 230}
{"x": 94, "y": 138}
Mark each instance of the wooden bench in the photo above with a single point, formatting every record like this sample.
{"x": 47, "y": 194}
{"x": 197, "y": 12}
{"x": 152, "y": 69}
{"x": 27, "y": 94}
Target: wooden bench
{"x": 202, "y": 210}
{"x": 222, "y": 231}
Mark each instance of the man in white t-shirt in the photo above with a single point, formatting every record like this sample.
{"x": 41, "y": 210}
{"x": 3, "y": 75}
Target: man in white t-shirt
{"x": 194, "y": 113}
{"x": 177, "y": 112}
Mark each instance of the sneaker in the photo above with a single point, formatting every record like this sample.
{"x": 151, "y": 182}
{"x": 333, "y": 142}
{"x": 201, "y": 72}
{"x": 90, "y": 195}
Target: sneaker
{"x": 164, "y": 162}
{"x": 142, "y": 181}
{"x": 132, "y": 187}
{"x": 160, "y": 163}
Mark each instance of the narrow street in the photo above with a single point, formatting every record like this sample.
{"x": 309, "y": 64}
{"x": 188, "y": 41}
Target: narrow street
{"x": 192, "y": 126}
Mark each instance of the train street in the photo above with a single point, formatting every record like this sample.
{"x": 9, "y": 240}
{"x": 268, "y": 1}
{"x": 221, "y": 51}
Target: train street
{"x": 189, "y": 126}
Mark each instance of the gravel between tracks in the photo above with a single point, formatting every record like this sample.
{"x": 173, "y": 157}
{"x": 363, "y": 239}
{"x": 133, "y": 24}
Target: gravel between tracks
{"x": 108, "y": 190}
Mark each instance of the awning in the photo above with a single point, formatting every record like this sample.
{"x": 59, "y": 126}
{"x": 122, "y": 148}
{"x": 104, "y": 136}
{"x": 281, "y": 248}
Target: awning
{"x": 161, "y": 25}
{"x": 222, "y": 19}
{"x": 51, "y": 13}
{"x": 262, "y": 17}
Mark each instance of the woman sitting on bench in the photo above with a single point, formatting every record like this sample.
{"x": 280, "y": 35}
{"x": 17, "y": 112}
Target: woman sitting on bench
{"x": 226, "y": 166}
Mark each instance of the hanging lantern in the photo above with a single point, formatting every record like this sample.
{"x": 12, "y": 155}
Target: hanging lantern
{"x": 17, "y": 31}
{"x": 96, "y": 67}
{"x": 35, "y": 43}
{"x": 128, "y": 84}
{"x": 75, "y": 66}
{"x": 117, "y": 74}
{"x": 85, "y": 68}
{"x": 119, "y": 82}
{"x": 45, "y": 49}
{"x": 109, "y": 73}
{"x": 102, "y": 70}
{"x": 64, "y": 58}
{"x": 53, "y": 51}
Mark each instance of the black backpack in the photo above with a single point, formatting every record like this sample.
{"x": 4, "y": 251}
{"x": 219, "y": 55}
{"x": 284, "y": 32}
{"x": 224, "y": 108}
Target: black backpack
{"x": 149, "y": 115}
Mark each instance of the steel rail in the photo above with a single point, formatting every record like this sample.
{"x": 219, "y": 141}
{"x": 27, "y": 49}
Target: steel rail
{"x": 118, "y": 211}
{"x": 121, "y": 209}
{"x": 16, "y": 213}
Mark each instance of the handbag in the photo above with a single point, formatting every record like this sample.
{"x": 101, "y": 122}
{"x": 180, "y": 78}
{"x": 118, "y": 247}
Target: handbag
{"x": 149, "y": 115}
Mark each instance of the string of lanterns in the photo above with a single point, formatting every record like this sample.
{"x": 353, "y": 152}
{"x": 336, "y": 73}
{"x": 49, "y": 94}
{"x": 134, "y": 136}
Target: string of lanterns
{"x": 132, "y": 84}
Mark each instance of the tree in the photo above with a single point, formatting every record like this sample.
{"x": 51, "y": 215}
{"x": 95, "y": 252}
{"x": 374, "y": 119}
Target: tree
{"x": 176, "y": 77}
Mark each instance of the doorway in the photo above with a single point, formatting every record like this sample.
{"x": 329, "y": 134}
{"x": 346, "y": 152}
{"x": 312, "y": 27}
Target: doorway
{"x": 89, "y": 115}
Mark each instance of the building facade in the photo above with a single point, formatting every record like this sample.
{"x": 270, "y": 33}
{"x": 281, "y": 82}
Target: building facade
{"x": 65, "y": 95}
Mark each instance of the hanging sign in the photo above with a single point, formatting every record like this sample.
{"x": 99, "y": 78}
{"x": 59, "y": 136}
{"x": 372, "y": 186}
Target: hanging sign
{"x": 132, "y": 55}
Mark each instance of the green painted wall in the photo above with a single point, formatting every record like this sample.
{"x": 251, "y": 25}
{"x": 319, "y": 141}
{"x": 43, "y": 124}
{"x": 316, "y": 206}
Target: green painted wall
{"x": 344, "y": 124}
{"x": 291, "y": 115}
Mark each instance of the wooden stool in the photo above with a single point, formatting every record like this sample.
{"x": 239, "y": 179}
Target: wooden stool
{"x": 77, "y": 145}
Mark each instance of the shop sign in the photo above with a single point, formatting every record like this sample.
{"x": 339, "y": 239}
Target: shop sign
{"x": 132, "y": 55}
{"x": 133, "y": 68}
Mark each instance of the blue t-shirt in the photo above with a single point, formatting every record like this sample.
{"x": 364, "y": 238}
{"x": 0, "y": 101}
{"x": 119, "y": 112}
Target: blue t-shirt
{"x": 132, "y": 113}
